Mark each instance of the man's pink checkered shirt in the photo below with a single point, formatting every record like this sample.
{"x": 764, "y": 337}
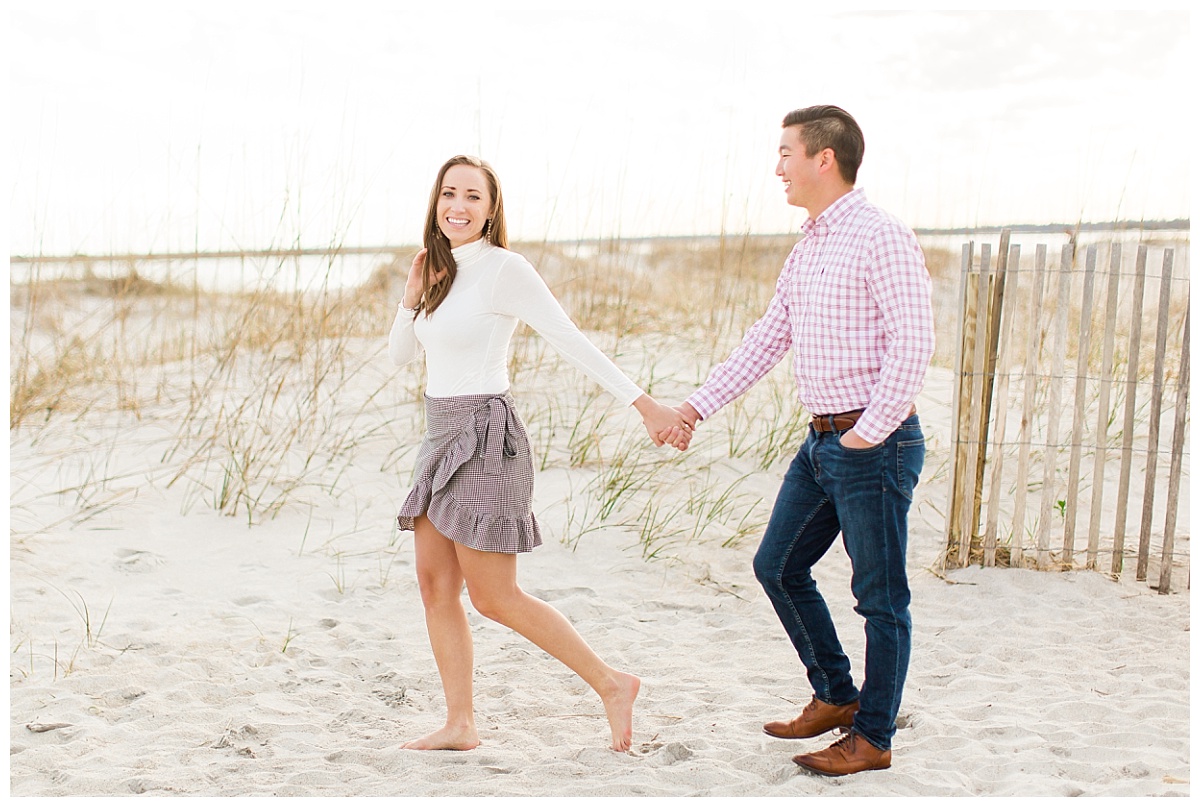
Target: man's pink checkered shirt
{"x": 853, "y": 304}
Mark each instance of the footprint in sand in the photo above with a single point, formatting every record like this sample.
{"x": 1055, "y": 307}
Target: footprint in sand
{"x": 661, "y": 754}
{"x": 136, "y": 561}
{"x": 552, "y": 594}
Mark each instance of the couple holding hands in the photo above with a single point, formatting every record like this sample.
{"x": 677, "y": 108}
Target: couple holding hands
{"x": 852, "y": 304}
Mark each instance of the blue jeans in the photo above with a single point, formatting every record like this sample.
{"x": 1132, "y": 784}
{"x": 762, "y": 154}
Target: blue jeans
{"x": 864, "y": 494}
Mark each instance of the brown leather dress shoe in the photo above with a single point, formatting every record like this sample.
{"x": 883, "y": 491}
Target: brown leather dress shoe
{"x": 851, "y": 754}
{"x": 816, "y": 719}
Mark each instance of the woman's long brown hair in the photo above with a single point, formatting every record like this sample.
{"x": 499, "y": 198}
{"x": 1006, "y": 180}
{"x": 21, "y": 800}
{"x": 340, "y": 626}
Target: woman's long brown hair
{"x": 438, "y": 257}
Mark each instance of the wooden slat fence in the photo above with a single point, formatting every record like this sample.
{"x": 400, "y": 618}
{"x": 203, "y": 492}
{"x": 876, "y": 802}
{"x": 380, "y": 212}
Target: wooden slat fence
{"x": 1068, "y": 367}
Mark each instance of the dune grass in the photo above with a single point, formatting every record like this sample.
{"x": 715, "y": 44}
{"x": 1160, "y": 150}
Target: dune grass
{"x": 263, "y": 399}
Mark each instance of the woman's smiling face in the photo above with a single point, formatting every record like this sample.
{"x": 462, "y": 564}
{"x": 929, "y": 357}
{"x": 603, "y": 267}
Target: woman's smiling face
{"x": 464, "y": 205}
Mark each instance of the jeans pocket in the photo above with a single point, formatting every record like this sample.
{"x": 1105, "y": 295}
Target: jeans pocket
{"x": 910, "y": 459}
{"x": 859, "y": 451}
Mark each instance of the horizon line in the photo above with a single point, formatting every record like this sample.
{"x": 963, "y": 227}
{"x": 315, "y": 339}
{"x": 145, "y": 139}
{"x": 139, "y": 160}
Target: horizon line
{"x": 1069, "y": 229}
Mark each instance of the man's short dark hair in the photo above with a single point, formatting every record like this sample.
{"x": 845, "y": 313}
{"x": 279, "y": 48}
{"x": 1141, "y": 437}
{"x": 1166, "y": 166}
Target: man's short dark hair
{"x": 830, "y": 127}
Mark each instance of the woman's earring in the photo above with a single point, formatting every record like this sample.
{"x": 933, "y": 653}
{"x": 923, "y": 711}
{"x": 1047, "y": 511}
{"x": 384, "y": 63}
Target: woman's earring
{"x": 487, "y": 231}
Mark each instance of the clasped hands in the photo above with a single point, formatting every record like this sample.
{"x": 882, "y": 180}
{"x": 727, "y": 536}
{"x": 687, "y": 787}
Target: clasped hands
{"x": 674, "y": 426}
{"x": 667, "y": 425}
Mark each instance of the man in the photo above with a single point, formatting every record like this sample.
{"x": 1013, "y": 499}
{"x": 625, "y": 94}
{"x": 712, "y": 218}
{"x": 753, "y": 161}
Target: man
{"x": 853, "y": 304}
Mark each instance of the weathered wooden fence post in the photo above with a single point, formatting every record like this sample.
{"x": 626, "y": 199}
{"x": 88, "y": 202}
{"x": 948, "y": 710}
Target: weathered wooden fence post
{"x": 1070, "y": 511}
{"x": 1156, "y": 397}
{"x": 1106, "y": 382}
{"x": 1058, "y": 365}
{"x": 1030, "y": 381}
{"x": 1010, "y": 268}
{"x": 961, "y": 404}
{"x": 1177, "y": 441}
{"x": 1131, "y": 374}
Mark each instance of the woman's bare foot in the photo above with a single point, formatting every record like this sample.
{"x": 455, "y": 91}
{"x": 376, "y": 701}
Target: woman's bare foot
{"x": 447, "y": 738}
{"x": 618, "y": 705}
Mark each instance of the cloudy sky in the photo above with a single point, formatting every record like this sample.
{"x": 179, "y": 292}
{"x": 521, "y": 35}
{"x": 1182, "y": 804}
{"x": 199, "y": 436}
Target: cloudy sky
{"x": 167, "y": 126}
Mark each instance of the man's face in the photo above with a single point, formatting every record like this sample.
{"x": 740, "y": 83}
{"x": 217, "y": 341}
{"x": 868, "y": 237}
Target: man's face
{"x": 797, "y": 170}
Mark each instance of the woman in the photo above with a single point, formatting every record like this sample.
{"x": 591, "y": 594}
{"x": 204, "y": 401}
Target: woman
{"x": 470, "y": 505}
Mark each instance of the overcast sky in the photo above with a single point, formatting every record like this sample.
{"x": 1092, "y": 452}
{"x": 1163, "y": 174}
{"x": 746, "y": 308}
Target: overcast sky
{"x": 170, "y": 125}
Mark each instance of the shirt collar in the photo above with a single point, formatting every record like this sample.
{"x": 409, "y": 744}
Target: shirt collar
{"x": 832, "y": 216}
{"x": 467, "y": 254}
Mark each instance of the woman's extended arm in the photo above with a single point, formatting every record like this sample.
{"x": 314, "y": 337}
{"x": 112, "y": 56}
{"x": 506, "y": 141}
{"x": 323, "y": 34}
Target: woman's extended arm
{"x": 521, "y": 292}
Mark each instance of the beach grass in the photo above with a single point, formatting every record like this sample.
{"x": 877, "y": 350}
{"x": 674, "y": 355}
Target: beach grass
{"x": 259, "y": 401}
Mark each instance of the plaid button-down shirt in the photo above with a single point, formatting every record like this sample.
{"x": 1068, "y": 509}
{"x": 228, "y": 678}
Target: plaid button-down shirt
{"x": 853, "y": 304}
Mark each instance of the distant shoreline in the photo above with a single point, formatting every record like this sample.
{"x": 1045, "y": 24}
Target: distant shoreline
{"x": 1101, "y": 226}
{"x": 1084, "y": 227}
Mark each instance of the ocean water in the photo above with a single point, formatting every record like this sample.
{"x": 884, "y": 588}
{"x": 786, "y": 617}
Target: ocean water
{"x": 313, "y": 271}
{"x": 223, "y": 273}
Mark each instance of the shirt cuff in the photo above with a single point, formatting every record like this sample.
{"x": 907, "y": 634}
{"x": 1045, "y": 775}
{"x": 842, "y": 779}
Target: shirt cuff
{"x": 638, "y": 393}
{"x": 873, "y": 425}
{"x": 705, "y": 403}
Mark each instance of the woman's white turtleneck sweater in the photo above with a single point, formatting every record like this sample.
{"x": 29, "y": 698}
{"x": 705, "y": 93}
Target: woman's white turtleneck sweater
{"x": 466, "y": 339}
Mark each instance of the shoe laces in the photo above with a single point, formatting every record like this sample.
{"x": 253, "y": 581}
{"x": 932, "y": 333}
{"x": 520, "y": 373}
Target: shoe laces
{"x": 846, "y": 742}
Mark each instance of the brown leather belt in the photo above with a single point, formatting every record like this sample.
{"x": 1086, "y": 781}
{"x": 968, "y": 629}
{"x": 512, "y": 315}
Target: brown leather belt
{"x": 836, "y": 423}
{"x": 842, "y": 421}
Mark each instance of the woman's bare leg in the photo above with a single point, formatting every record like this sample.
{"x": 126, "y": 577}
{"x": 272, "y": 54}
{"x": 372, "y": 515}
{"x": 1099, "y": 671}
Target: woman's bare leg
{"x": 492, "y": 583}
{"x": 441, "y": 582}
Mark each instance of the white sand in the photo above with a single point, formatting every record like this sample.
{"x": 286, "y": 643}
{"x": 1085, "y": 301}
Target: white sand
{"x": 1022, "y": 683}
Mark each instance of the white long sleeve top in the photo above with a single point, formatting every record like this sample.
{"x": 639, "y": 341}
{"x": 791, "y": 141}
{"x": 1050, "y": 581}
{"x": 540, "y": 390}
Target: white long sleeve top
{"x": 466, "y": 339}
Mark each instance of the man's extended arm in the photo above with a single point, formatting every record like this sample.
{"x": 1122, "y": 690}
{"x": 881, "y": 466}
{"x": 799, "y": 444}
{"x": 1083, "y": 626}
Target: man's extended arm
{"x": 765, "y": 343}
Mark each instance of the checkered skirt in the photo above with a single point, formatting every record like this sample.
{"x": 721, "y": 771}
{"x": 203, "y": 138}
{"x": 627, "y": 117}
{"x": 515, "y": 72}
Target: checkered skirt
{"x": 474, "y": 475}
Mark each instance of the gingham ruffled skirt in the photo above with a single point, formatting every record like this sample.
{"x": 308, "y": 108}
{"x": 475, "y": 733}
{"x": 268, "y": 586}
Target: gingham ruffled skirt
{"x": 474, "y": 475}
